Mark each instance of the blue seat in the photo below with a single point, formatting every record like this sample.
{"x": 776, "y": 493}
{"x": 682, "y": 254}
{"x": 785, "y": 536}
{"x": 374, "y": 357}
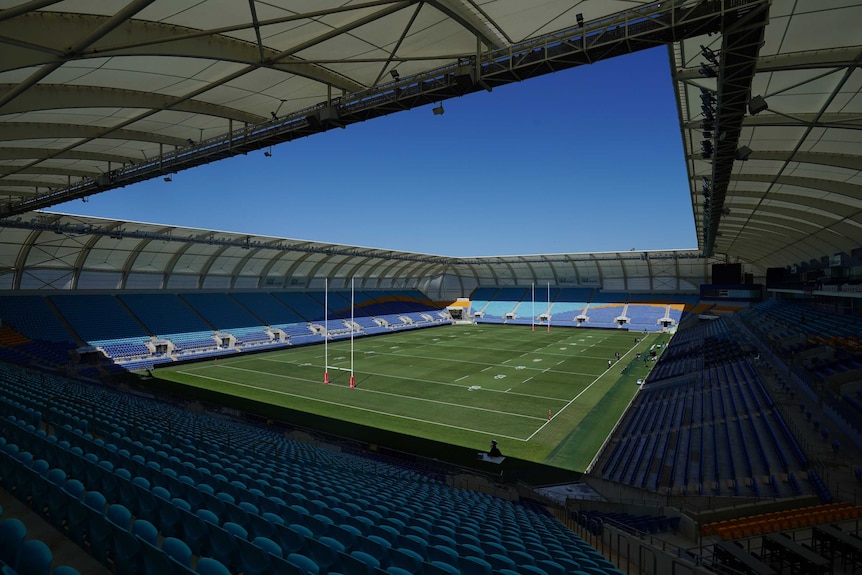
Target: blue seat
{"x": 145, "y": 531}
{"x": 305, "y": 565}
{"x": 442, "y": 553}
{"x": 254, "y": 560}
{"x": 223, "y": 546}
{"x": 195, "y": 532}
{"x": 358, "y": 563}
{"x": 210, "y": 566}
{"x": 127, "y": 552}
{"x": 177, "y": 551}
{"x": 325, "y": 552}
{"x": 406, "y": 559}
{"x": 65, "y": 570}
{"x": 471, "y": 565}
{"x": 12, "y": 534}
{"x": 35, "y": 558}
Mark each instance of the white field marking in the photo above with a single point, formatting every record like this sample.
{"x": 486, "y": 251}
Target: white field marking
{"x": 465, "y": 361}
{"x": 508, "y": 390}
{"x": 390, "y": 376}
{"x": 541, "y": 427}
{"x": 526, "y": 380}
{"x": 339, "y": 404}
{"x": 413, "y": 397}
{"x": 507, "y": 360}
{"x": 462, "y": 377}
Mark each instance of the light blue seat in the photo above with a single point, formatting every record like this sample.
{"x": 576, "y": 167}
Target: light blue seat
{"x": 305, "y": 565}
{"x": 195, "y": 531}
{"x": 254, "y": 560}
{"x": 177, "y": 551}
{"x": 406, "y": 559}
{"x": 223, "y": 546}
{"x": 210, "y": 566}
{"x": 34, "y": 558}
{"x": 325, "y": 552}
{"x": 358, "y": 563}
{"x": 471, "y": 565}
{"x": 291, "y": 538}
{"x": 127, "y": 552}
{"x": 145, "y": 531}
{"x": 442, "y": 553}
{"x": 12, "y": 534}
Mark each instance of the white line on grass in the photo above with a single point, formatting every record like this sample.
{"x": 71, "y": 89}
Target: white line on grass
{"x": 462, "y": 377}
{"x": 431, "y": 381}
{"x": 541, "y": 427}
{"x": 413, "y": 397}
{"x": 339, "y": 404}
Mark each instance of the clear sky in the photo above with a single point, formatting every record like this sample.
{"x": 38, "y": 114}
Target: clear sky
{"x": 585, "y": 160}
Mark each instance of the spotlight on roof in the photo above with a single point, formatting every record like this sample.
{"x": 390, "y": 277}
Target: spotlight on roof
{"x": 706, "y": 149}
{"x": 268, "y": 153}
{"x": 274, "y": 115}
{"x": 756, "y": 105}
{"x": 395, "y": 75}
{"x": 742, "y": 153}
{"x": 168, "y": 179}
{"x": 438, "y": 111}
{"x": 191, "y": 142}
{"x": 725, "y": 211}
{"x": 580, "y": 19}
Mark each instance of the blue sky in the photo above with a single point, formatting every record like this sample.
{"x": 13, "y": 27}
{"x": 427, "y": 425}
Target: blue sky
{"x": 585, "y": 160}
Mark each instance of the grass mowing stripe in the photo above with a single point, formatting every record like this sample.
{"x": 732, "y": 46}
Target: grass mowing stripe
{"x": 402, "y": 396}
{"x": 429, "y": 381}
{"x": 446, "y": 365}
{"x": 348, "y": 406}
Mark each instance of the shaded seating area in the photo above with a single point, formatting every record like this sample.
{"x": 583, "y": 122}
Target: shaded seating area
{"x": 140, "y": 482}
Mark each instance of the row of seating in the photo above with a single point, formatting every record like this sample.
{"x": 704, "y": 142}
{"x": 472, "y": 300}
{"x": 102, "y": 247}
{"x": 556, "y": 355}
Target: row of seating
{"x": 23, "y": 555}
{"x": 190, "y": 475}
{"x": 751, "y": 525}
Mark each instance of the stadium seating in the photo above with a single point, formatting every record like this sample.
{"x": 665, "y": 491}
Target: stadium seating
{"x": 324, "y": 511}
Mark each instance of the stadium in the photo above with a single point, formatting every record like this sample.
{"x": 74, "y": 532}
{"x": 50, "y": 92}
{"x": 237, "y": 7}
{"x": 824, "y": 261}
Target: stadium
{"x": 178, "y": 399}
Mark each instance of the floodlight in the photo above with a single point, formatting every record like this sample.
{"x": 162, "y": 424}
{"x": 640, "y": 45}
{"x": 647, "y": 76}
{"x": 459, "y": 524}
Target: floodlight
{"x": 756, "y": 105}
{"x": 580, "y": 19}
{"x": 742, "y": 153}
{"x": 709, "y": 54}
{"x": 725, "y": 211}
{"x": 706, "y": 149}
{"x": 707, "y": 71}
{"x": 395, "y": 75}
{"x": 168, "y": 179}
{"x": 191, "y": 142}
{"x": 438, "y": 111}
{"x": 274, "y": 115}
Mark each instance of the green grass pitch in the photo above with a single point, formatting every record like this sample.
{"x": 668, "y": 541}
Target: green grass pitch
{"x": 462, "y": 385}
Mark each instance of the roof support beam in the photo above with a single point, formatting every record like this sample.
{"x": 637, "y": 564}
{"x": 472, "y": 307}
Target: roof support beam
{"x": 53, "y": 96}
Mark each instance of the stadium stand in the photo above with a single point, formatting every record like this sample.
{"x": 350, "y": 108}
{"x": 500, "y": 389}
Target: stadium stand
{"x": 169, "y": 497}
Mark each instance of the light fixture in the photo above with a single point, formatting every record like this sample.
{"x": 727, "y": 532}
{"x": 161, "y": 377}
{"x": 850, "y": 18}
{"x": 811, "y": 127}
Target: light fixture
{"x": 168, "y": 179}
{"x": 707, "y": 71}
{"x": 706, "y": 149}
{"x": 756, "y": 105}
{"x": 580, "y": 19}
{"x": 709, "y": 54}
{"x": 438, "y": 111}
{"x": 191, "y": 142}
{"x": 394, "y": 73}
{"x": 274, "y": 116}
{"x": 725, "y": 211}
{"x": 268, "y": 153}
{"x": 742, "y": 153}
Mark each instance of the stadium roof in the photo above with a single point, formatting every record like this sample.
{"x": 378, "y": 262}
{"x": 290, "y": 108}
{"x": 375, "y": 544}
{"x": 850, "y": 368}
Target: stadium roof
{"x": 97, "y": 95}
{"x": 44, "y": 250}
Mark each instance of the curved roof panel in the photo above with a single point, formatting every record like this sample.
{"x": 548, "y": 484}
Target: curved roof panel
{"x": 96, "y": 95}
{"x": 794, "y": 191}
